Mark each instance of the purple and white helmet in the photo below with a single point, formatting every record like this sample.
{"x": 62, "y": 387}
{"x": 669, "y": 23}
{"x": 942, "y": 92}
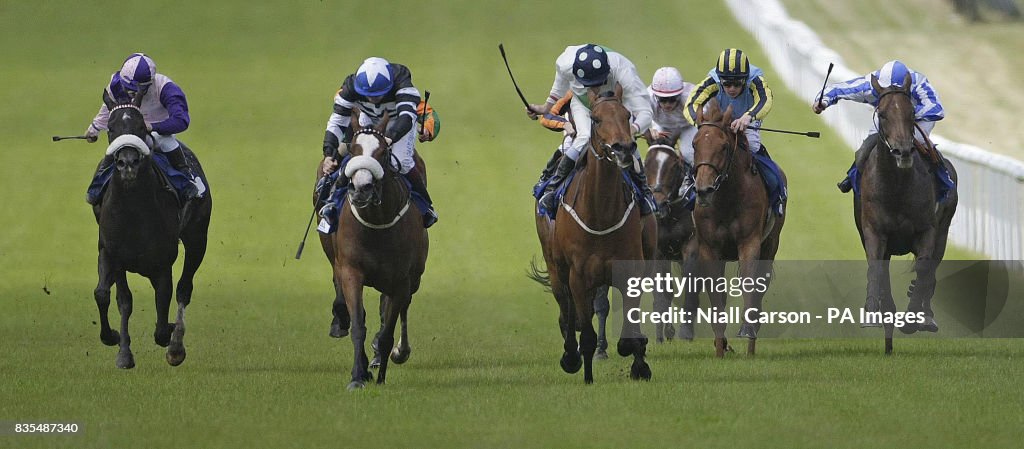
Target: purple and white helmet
{"x": 373, "y": 79}
{"x": 137, "y": 71}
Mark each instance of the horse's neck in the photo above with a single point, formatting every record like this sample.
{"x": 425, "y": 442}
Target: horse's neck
{"x": 895, "y": 180}
{"x": 602, "y": 181}
{"x": 394, "y": 195}
{"x": 141, "y": 192}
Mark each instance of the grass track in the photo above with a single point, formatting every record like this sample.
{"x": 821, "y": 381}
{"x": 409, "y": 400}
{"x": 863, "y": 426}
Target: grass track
{"x": 261, "y": 370}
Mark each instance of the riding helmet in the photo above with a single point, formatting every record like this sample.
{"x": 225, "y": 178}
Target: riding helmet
{"x": 591, "y": 65}
{"x": 373, "y": 79}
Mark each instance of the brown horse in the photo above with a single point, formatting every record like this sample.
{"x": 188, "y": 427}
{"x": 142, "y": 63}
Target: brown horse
{"x": 380, "y": 243}
{"x": 597, "y": 224}
{"x": 897, "y": 211}
{"x": 140, "y": 224}
{"x": 733, "y": 217}
{"x": 665, "y": 173}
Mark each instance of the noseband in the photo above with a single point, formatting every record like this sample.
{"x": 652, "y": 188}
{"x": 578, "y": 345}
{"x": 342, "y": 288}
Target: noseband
{"x": 607, "y": 149}
{"x": 722, "y": 174}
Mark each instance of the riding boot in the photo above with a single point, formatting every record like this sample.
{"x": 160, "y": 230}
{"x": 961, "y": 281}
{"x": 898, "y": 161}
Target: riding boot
{"x": 177, "y": 159}
{"x": 95, "y": 192}
{"x": 548, "y": 171}
{"x": 686, "y": 190}
{"x": 847, "y": 184}
{"x": 647, "y": 204}
{"x": 565, "y": 166}
{"x": 420, "y": 187}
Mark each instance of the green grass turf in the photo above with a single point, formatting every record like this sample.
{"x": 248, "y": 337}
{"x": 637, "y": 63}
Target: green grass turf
{"x": 261, "y": 370}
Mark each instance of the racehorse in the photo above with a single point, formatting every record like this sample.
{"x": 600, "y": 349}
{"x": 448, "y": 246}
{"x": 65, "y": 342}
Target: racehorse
{"x": 140, "y": 223}
{"x": 380, "y": 243}
{"x": 733, "y": 217}
{"x": 897, "y": 210}
{"x": 665, "y": 173}
{"x": 597, "y": 224}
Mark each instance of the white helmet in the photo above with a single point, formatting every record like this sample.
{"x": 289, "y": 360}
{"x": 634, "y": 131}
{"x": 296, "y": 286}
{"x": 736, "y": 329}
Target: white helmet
{"x": 667, "y": 82}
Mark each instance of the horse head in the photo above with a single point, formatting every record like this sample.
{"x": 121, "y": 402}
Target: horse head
{"x": 713, "y": 151}
{"x": 371, "y": 156}
{"x": 611, "y": 137}
{"x": 664, "y": 168}
{"x": 895, "y": 120}
{"x": 126, "y": 133}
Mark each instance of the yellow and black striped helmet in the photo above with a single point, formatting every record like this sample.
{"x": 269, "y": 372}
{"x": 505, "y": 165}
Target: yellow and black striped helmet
{"x": 732, "y": 64}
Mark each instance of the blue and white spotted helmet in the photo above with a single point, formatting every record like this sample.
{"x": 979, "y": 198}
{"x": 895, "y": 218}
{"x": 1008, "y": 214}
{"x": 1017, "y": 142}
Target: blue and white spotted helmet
{"x": 137, "y": 72}
{"x": 893, "y": 73}
{"x": 591, "y": 65}
{"x": 373, "y": 79}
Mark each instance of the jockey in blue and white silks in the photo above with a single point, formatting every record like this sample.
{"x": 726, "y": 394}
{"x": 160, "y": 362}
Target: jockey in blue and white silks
{"x": 164, "y": 109}
{"x": 593, "y": 68}
{"x": 927, "y": 107}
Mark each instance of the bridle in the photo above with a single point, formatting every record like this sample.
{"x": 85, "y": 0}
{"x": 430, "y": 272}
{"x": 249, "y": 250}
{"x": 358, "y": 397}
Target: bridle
{"x": 881, "y": 133}
{"x": 605, "y": 147}
{"x": 721, "y": 174}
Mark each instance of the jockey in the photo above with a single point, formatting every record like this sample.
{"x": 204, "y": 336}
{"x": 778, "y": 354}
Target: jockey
{"x": 380, "y": 88}
{"x": 592, "y": 68}
{"x": 668, "y": 92}
{"x": 927, "y": 109}
{"x": 164, "y": 109}
{"x": 736, "y": 82}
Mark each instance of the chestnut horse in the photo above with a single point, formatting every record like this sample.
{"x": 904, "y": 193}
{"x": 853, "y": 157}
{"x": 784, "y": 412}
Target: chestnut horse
{"x": 597, "y": 223}
{"x": 665, "y": 173}
{"x": 380, "y": 243}
{"x": 897, "y": 210}
{"x": 733, "y": 217}
{"x": 140, "y": 223}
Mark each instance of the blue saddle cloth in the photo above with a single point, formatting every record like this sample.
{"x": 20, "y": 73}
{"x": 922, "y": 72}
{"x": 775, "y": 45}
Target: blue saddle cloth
{"x": 943, "y": 182}
{"x": 538, "y": 192}
{"x": 340, "y": 194}
{"x": 771, "y": 175}
{"x": 178, "y": 180}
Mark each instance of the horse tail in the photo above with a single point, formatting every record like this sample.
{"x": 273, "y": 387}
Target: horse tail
{"x": 539, "y": 276}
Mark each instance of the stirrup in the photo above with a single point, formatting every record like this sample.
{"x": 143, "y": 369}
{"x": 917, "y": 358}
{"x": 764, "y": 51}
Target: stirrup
{"x": 845, "y": 185}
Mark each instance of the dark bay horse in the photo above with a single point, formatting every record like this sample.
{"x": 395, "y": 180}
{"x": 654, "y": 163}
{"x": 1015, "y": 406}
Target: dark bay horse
{"x": 140, "y": 223}
{"x": 897, "y": 210}
{"x": 380, "y": 243}
{"x": 597, "y": 223}
{"x": 733, "y": 217}
{"x": 665, "y": 173}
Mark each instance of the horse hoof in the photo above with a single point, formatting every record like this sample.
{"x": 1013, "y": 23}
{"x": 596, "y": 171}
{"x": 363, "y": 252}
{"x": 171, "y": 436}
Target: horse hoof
{"x": 747, "y": 331}
{"x": 400, "y": 355}
{"x": 571, "y": 363}
{"x": 601, "y": 354}
{"x": 162, "y": 335}
{"x": 640, "y": 371}
{"x": 375, "y": 363}
{"x": 356, "y": 385}
{"x": 337, "y": 331}
{"x": 624, "y": 347}
{"x": 125, "y": 360}
{"x": 110, "y": 339}
{"x": 686, "y": 331}
{"x": 909, "y": 328}
{"x": 929, "y": 325}
{"x": 176, "y": 356}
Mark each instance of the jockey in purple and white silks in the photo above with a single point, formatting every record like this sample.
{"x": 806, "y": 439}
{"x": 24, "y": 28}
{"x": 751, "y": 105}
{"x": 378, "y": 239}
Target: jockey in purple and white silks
{"x": 378, "y": 88}
{"x": 586, "y": 68}
{"x": 927, "y": 108}
{"x": 164, "y": 109}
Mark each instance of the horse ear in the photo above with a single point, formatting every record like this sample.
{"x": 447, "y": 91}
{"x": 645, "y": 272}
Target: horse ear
{"x": 906, "y": 82}
{"x": 727, "y": 115}
{"x": 592, "y": 96}
{"x": 874, "y": 83}
{"x": 383, "y": 126}
{"x": 355, "y": 120}
{"x": 618, "y": 91}
{"x": 107, "y": 100}
{"x": 700, "y": 114}
{"x": 713, "y": 110}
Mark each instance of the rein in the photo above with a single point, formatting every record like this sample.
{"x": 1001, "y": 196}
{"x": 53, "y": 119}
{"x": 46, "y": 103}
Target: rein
{"x": 722, "y": 174}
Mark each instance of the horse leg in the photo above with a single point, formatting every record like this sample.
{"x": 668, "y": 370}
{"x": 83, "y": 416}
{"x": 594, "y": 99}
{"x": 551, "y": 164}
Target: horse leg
{"x": 692, "y": 298}
{"x": 375, "y": 344}
{"x": 751, "y": 268}
{"x": 879, "y": 291}
{"x": 402, "y": 350}
{"x": 923, "y": 286}
{"x": 584, "y": 304}
{"x": 712, "y": 266}
{"x": 108, "y": 336}
{"x": 163, "y": 287}
{"x": 570, "y": 360}
{"x": 339, "y": 314}
{"x": 393, "y": 305}
{"x": 194, "y": 239}
{"x": 601, "y": 308}
{"x": 352, "y": 285}
{"x": 632, "y": 341}
{"x": 125, "y": 359}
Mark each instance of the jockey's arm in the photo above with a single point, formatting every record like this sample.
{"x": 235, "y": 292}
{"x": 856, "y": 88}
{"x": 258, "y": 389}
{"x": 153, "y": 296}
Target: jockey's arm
{"x": 700, "y": 95}
{"x": 173, "y": 99}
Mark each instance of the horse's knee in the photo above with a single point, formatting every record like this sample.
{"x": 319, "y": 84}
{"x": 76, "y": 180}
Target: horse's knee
{"x": 102, "y": 295}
